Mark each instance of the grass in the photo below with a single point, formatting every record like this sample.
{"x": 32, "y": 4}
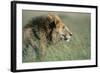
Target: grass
{"x": 79, "y": 46}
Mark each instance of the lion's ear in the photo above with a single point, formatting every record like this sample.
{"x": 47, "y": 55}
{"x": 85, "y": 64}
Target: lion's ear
{"x": 50, "y": 17}
{"x": 51, "y": 21}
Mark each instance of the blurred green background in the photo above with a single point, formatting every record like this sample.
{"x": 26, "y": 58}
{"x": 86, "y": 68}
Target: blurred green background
{"x": 79, "y": 46}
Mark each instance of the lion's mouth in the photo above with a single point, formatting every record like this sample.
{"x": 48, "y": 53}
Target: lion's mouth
{"x": 65, "y": 38}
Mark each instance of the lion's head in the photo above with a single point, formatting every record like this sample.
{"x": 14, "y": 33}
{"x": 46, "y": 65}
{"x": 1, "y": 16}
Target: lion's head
{"x": 59, "y": 30}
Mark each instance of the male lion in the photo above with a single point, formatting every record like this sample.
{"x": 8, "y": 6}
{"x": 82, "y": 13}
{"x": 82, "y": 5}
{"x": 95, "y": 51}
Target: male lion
{"x": 45, "y": 29}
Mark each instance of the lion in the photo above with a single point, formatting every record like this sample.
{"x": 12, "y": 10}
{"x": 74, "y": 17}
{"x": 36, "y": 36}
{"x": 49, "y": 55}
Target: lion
{"x": 45, "y": 29}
